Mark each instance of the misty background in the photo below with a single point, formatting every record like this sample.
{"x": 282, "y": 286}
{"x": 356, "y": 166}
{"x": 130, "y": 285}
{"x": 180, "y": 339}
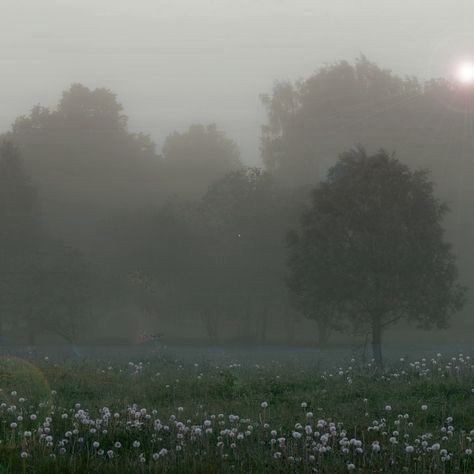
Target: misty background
{"x": 140, "y": 126}
{"x": 177, "y": 62}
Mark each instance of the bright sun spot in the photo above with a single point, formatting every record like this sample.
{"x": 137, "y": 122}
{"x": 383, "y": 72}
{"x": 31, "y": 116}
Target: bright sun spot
{"x": 465, "y": 72}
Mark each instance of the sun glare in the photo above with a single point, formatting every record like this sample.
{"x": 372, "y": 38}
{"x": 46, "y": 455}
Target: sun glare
{"x": 465, "y": 72}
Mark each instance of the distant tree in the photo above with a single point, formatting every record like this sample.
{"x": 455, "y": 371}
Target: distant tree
{"x": 245, "y": 216}
{"x": 19, "y": 235}
{"x": 220, "y": 259}
{"x": 371, "y": 248}
{"x": 85, "y": 162}
{"x": 197, "y": 157}
{"x": 341, "y": 103}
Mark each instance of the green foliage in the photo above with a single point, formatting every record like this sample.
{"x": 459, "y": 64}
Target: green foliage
{"x": 372, "y": 248}
{"x": 423, "y": 398}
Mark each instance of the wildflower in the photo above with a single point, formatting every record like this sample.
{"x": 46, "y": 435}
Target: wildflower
{"x": 24, "y": 455}
{"x": 264, "y": 404}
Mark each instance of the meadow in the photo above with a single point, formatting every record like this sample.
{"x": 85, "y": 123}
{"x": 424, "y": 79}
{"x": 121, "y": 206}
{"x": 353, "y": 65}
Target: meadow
{"x": 178, "y": 411}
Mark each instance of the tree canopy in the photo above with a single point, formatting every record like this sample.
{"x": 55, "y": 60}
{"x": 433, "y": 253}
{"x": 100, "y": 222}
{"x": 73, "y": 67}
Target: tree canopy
{"x": 371, "y": 248}
{"x": 197, "y": 157}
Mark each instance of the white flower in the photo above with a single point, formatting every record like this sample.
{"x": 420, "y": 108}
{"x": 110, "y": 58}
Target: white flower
{"x": 264, "y": 404}
{"x": 409, "y": 449}
{"x": 24, "y": 455}
{"x": 424, "y": 407}
{"x": 136, "y": 444}
{"x": 95, "y": 444}
{"x": 388, "y": 408}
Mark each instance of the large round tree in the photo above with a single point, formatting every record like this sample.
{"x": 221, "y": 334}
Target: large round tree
{"x": 371, "y": 248}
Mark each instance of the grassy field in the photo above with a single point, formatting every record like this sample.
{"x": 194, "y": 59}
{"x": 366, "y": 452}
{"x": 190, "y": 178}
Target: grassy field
{"x": 169, "y": 413}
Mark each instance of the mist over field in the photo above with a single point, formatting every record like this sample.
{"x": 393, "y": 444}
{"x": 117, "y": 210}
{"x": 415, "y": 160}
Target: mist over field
{"x": 236, "y": 236}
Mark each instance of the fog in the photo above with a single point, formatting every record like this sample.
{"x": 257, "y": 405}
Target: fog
{"x": 236, "y": 236}
{"x": 177, "y": 62}
{"x": 167, "y": 160}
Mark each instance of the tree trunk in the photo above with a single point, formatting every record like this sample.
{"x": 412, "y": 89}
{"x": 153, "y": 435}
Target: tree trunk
{"x": 377, "y": 341}
{"x": 31, "y": 335}
{"x": 210, "y": 320}
{"x": 323, "y": 333}
{"x": 262, "y": 325}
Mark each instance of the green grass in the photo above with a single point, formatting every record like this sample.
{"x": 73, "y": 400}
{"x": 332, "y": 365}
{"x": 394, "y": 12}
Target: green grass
{"x": 352, "y": 397}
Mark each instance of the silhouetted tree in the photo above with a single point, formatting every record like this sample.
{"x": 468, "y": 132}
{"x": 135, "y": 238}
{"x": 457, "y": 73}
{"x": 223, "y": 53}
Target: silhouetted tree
{"x": 371, "y": 248}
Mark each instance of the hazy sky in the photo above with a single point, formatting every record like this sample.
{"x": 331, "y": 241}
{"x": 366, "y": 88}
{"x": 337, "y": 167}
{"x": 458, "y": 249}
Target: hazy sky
{"x": 175, "y": 62}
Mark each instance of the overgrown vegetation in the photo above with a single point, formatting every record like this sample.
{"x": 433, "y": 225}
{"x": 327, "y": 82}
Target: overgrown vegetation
{"x": 164, "y": 414}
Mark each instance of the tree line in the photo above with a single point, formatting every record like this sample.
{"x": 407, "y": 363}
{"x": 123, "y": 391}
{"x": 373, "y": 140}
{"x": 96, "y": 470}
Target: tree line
{"x": 98, "y": 226}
